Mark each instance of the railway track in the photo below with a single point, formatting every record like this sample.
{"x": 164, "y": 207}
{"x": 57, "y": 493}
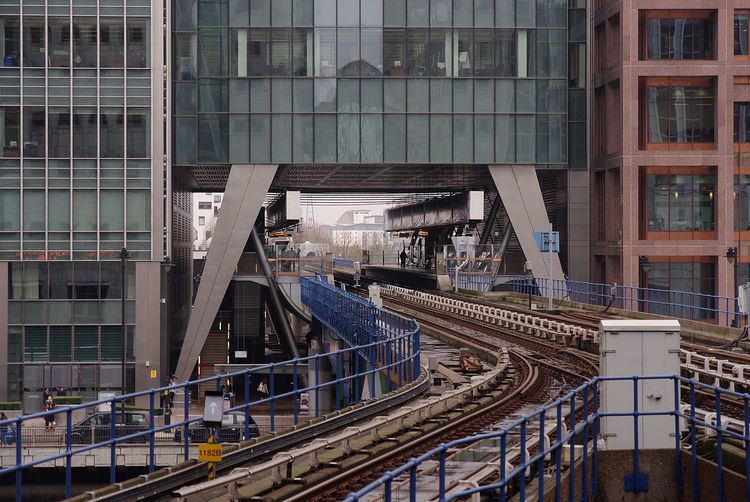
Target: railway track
{"x": 541, "y": 372}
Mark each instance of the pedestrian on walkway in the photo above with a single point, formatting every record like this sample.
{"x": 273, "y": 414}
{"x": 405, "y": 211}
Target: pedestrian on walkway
{"x": 263, "y": 389}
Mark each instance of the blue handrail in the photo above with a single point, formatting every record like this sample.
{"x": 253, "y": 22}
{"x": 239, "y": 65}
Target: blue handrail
{"x": 717, "y": 309}
{"x": 585, "y": 429}
{"x": 378, "y": 342}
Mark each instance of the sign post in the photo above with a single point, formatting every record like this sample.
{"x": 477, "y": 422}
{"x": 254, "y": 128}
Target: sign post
{"x": 548, "y": 242}
{"x": 213, "y": 412}
{"x": 550, "y": 246}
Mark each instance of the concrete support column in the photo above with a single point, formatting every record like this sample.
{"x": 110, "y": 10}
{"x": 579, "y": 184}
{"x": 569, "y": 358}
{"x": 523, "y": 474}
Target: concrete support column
{"x": 579, "y": 229}
{"x": 319, "y": 372}
{"x": 246, "y": 190}
{"x": 148, "y": 351}
{"x": 4, "y": 331}
{"x": 522, "y": 198}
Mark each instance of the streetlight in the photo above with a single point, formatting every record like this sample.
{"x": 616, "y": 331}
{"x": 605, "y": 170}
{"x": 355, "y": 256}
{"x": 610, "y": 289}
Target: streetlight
{"x": 731, "y": 256}
{"x": 124, "y": 289}
{"x": 645, "y": 266}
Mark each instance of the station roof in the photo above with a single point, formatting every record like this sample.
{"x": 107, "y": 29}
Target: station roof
{"x": 384, "y": 178}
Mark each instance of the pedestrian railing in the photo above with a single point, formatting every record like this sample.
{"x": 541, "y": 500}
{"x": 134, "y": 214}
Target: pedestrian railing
{"x": 714, "y": 309}
{"x": 376, "y": 343}
{"x": 570, "y": 428}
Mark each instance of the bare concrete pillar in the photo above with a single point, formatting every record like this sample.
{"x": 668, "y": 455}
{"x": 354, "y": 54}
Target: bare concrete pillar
{"x": 4, "y": 331}
{"x": 522, "y": 198}
{"x": 148, "y": 328}
{"x": 246, "y": 190}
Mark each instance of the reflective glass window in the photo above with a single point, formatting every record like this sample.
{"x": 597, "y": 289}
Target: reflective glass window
{"x": 394, "y": 43}
{"x": 58, "y": 33}
{"x": 111, "y": 133}
{"x": 372, "y": 13}
{"x": 139, "y": 47}
{"x": 139, "y": 133}
{"x": 394, "y": 12}
{"x": 34, "y": 140}
{"x": 741, "y": 34}
{"x": 348, "y": 59}
{"x": 111, "y": 43}
{"x": 372, "y": 52}
{"x": 10, "y": 210}
{"x": 58, "y": 212}
{"x": 680, "y": 38}
{"x": 34, "y": 213}
{"x": 505, "y": 138}
{"x": 10, "y": 128}
{"x": 84, "y": 42}
{"x": 742, "y": 122}
{"x": 10, "y": 40}
{"x": 84, "y": 132}
{"x": 348, "y": 12}
{"x": 111, "y": 217}
{"x": 33, "y": 42}
{"x": 59, "y": 132}
{"x": 325, "y": 53}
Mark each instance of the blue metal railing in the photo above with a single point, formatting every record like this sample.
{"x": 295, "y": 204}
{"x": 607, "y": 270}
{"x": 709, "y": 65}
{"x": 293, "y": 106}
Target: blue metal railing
{"x": 358, "y": 322}
{"x": 582, "y": 401}
{"x": 721, "y": 310}
{"x": 379, "y": 342}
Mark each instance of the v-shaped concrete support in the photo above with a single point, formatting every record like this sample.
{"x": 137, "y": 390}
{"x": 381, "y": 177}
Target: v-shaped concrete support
{"x": 521, "y": 194}
{"x": 243, "y": 198}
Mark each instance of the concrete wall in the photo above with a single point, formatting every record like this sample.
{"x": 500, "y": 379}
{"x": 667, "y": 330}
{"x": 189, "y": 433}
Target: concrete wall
{"x": 4, "y": 330}
{"x": 579, "y": 230}
{"x": 127, "y": 455}
{"x": 149, "y": 338}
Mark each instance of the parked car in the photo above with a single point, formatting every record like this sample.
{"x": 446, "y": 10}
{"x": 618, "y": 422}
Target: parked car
{"x": 232, "y": 429}
{"x": 100, "y": 426}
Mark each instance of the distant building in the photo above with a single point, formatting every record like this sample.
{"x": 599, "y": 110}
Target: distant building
{"x": 360, "y": 229}
{"x": 206, "y": 208}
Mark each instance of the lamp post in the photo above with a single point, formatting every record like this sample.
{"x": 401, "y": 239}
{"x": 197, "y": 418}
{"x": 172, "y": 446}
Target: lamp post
{"x": 731, "y": 256}
{"x": 123, "y": 303}
{"x": 645, "y": 266}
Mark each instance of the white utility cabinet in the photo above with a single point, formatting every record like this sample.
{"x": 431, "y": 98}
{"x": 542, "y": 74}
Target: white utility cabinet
{"x": 643, "y": 348}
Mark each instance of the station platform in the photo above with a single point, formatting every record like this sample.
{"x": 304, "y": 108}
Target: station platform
{"x": 409, "y": 277}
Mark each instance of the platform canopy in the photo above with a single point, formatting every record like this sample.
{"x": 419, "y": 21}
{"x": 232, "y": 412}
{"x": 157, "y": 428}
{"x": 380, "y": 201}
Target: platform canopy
{"x": 462, "y": 208}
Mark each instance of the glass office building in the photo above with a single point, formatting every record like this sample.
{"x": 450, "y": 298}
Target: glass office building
{"x": 80, "y": 169}
{"x": 379, "y": 81}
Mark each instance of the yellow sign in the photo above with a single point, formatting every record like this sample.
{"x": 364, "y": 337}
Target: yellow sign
{"x": 153, "y": 373}
{"x": 209, "y": 452}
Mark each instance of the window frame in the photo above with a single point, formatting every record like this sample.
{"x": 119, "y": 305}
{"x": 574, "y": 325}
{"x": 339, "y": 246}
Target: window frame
{"x": 668, "y": 234}
{"x": 646, "y": 83}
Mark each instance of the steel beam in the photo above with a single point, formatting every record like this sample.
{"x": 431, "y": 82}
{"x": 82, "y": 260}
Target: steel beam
{"x": 278, "y": 314}
{"x": 245, "y": 192}
{"x": 490, "y": 221}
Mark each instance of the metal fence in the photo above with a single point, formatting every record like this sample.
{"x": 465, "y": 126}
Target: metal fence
{"x": 721, "y": 310}
{"x": 538, "y": 441}
{"x": 378, "y": 343}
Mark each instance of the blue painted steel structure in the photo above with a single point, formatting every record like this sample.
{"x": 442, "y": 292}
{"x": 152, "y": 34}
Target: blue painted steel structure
{"x": 721, "y": 310}
{"x": 386, "y": 342}
{"x": 585, "y": 431}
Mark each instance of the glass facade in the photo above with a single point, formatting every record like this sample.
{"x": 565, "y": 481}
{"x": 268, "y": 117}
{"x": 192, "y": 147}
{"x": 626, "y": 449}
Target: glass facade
{"x": 376, "y": 81}
{"x": 75, "y": 187}
{"x": 75, "y": 97}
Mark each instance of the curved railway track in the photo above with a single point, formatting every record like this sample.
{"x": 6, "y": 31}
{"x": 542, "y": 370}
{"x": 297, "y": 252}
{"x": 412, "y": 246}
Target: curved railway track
{"x": 542, "y": 371}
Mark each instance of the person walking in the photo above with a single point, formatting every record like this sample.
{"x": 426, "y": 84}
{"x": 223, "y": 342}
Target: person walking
{"x": 403, "y": 257}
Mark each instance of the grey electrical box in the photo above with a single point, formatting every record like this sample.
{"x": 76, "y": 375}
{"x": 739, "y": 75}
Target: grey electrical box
{"x": 643, "y": 348}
